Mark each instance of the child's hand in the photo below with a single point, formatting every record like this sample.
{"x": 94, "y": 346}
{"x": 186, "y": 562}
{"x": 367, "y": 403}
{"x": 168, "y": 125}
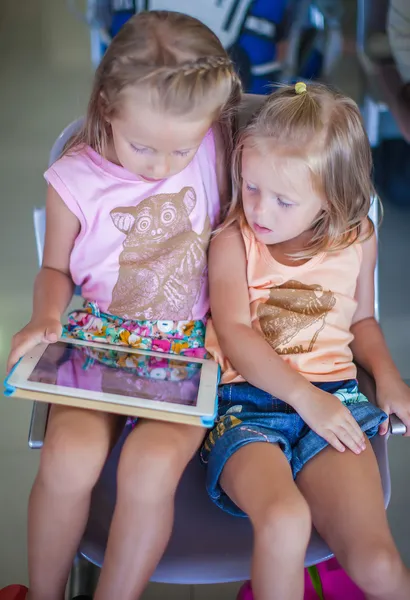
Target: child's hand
{"x": 35, "y": 332}
{"x": 330, "y": 419}
{"x": 393, "y": 397}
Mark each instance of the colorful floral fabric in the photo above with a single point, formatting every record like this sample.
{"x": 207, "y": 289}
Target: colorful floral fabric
{"x": 174, "y": 337}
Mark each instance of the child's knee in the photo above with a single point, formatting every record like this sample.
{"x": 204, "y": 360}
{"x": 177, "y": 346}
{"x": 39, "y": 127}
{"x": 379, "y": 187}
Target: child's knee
{"x": 152, "y": 468}
{"x": 376, "y": 569}
{"x": 284, "y": 522}
{"x": 72, "y": 459}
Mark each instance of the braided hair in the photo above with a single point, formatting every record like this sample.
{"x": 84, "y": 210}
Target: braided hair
{"x": 176, "y": 60}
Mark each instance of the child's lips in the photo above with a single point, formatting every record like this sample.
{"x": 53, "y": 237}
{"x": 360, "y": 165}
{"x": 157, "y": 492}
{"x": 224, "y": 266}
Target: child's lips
{"x": 260, "y": 229}
{"x": 149, "y": 179}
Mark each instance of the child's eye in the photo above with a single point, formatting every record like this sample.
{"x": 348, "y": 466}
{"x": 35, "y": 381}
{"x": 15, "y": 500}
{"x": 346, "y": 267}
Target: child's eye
{"x": 283, "y": 204}
{"x": 182, "y": 152}
{"x": 139, "y": 149}
{"x": 251, "y": 188}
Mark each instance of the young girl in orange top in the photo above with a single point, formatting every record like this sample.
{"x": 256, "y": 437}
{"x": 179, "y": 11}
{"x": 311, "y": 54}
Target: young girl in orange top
{"x": 292, "y": 300}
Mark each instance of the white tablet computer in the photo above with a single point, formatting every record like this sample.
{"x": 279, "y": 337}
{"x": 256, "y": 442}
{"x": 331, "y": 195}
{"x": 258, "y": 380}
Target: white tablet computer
{"x": 119, "y": 379}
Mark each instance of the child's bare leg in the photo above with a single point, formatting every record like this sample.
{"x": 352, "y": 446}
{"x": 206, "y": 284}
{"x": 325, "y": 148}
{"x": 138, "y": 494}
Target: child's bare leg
{"x": 75, "y": 449}
{"x": 345, "y": 495}
{"x": 259, "y": 480}
{"x": 152, "y": 462}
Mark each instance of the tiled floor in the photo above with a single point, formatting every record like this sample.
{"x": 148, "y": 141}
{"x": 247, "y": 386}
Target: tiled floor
{"x": 45, "y": 76}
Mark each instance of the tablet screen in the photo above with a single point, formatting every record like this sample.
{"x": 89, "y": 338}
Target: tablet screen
{"x": 119, "y": 372}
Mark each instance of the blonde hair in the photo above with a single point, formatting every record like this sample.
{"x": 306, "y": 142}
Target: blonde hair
{"x": 325, "y": 129}
{"x": 176, "y": 60}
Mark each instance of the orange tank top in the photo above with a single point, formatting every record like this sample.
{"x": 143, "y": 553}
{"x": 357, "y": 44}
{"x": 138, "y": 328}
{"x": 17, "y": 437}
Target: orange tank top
{"x": 304, "y": 312}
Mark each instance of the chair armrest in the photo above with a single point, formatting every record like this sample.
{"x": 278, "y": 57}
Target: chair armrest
{"x": 397, "y": 427}
{"x": 367, "y": 386}
{"x": 38, "y": 424}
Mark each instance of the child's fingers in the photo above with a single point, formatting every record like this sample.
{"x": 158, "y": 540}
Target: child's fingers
{"x": 52, "y": 333}
{"x": 357, "y": 434}
{"x": 334, "y": 441}
{"x": 27, "y": 339}
{"x": 384, "y": 427}
{"x": 11, "y": 361}
{"x": 19, "y": 349}
{"x": 349, "y": 441}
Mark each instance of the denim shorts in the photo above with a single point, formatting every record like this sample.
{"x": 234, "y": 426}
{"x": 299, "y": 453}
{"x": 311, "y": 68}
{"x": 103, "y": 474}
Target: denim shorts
{"x": 247, "y": 414}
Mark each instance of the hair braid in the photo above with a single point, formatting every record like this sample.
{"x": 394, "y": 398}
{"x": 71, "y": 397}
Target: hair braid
{"x": 175, "y": 62}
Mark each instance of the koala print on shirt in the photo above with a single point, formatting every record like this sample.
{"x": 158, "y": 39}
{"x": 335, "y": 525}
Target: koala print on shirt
{"x": 163, "y": 262}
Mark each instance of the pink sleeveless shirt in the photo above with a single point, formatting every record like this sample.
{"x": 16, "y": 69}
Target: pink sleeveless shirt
{"x": 304, "y": 312}
{"x": 142, "y": 248}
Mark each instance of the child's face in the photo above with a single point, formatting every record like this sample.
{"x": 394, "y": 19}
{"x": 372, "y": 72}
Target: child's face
{"x": 279, "y": 200}
{"x": 151, "y": 144}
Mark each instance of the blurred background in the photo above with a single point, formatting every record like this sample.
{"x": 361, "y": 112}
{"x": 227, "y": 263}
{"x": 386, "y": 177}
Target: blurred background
{"x": 49, "y": 50}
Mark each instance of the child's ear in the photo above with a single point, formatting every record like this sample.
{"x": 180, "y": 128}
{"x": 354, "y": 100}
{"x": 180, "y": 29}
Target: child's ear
{"x": 123, "y": 219}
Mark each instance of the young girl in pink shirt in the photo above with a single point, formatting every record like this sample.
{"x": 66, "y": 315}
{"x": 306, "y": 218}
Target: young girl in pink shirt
{"x": 130, "y": 209}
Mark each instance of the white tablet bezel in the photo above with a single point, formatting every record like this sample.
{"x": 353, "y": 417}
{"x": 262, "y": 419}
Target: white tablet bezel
{"x": 207, "y": 390}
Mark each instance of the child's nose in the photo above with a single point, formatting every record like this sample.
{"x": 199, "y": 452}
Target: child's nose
{"x": 260, "y": 205}
{"x": 161, "y": 167}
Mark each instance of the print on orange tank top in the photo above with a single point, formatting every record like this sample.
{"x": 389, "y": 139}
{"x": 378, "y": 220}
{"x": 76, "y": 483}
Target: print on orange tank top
{"x": 291, "y": 307}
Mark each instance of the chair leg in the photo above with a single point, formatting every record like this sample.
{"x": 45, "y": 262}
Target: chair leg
{"x": 83, "y": 579}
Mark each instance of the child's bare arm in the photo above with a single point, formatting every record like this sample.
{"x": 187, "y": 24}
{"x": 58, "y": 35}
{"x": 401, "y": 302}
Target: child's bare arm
{"x": 248, "y": 352}
{"x": 369, "y": 345}
{"x": 53, "y": 287}
{"x": 255, "y": 360}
